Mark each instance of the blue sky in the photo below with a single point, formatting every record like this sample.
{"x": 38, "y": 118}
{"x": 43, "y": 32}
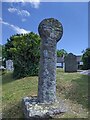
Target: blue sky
{"x": 25, "y": 17}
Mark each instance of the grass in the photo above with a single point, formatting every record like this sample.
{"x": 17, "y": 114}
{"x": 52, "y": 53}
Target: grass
{"x": 71, "y": 87}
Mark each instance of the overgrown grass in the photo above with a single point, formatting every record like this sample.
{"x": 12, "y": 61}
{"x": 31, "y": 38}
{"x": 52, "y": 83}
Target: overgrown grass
{"x": 71, "y": 87}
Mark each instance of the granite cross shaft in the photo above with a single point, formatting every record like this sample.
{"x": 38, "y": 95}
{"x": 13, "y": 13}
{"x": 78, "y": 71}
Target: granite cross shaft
{"x": 45, "y": 105}
{"x": 50, "y": 31}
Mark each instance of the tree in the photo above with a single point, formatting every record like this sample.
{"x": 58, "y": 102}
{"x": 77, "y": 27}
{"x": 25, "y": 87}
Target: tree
{"x": 0, "y": 50}
{"x": 2, "y": 54}
{"x": 61, "y": 53}
{"x": 86, "y": 59}
{"x": 24, "y": 50}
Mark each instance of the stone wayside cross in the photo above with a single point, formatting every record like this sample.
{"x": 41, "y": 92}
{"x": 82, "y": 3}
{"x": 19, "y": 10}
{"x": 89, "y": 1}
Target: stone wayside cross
{"x": 50, "y": 31}
{"x": 45, "y": 104}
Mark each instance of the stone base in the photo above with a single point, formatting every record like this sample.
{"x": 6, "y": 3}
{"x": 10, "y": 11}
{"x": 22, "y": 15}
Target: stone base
{"x": 33, "y": 109}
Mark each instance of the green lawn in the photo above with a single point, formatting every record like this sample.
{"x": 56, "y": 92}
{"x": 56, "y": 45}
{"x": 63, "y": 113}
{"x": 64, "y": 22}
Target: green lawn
{"x": 71, "y": 87}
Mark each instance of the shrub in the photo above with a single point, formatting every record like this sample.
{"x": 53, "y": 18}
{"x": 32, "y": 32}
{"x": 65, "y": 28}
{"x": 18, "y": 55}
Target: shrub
{"x": 24, "y": 50}
{"x": 86, "y": 59}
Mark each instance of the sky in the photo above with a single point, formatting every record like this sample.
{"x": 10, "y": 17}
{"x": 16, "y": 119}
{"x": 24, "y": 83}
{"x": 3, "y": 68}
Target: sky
{"x": 25, "y": 17}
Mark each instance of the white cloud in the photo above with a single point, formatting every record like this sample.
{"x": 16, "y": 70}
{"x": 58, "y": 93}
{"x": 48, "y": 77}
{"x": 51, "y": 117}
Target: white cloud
{"x": 24, "y": 13}
{"x": 23, "y": 20}
{"x": 34, "y": 3}
{"x": 19, "y": 12}
{"x": 12, "y": 10}
{"x": 15, "y": 28}
{"x": 18, "y": 29}
{"x": 0, "y": 19}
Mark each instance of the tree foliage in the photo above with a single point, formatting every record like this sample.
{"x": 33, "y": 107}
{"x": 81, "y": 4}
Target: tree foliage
{"x": 24, "y": 50}
{"x": 86, "y": 59}
{"x": 61, "y": 53}
{"x": 0, "y": 50}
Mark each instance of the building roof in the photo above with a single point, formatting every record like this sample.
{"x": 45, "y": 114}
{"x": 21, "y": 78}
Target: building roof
{"x": 61, "y": 59}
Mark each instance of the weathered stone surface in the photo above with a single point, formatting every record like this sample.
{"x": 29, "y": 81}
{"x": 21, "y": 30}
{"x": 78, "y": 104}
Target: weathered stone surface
{"x": 45, "y": 105}
{"x": 50, "y": 28}
{"x": 50, "y": 31}
{"x": 70, "y": 63}
{"x": 9, "y": 65}
{"x": 33, "y": 109}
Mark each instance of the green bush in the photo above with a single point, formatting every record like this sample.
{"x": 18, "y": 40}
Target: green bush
{"x": 61, "y": 53}
{"x": 86, "y": 59}
{"x": 24, "y": 50}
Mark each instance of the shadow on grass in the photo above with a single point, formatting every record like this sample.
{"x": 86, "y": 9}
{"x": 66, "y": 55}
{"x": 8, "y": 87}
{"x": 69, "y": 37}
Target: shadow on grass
{"x": 14, "y": 111}
{"x": 8, "y": 77}
{"x": 78, "y": 91}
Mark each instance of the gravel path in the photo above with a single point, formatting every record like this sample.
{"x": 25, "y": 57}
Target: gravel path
{"x": 85, "y": 72}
